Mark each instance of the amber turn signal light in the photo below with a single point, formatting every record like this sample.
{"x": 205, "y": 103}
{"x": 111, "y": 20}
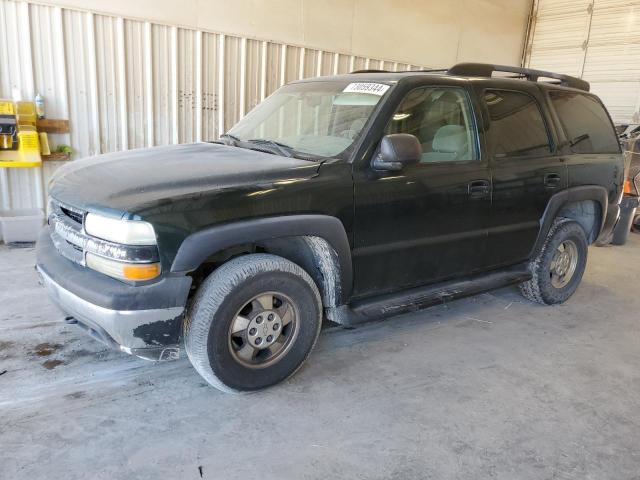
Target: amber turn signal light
{"x": 136, "y": 272}
{"x": 139, "y": 272}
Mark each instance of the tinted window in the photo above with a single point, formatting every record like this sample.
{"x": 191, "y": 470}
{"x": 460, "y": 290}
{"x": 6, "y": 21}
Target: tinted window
{"x": 441, "y": 119}
{"x": 517, "y": 127}
{"x": 585, "y": 122}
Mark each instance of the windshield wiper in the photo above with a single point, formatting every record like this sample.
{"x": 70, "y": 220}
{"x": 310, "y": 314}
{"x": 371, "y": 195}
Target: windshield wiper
{"x": 285, "y": 150}
{"x": 271, "y": 146}
{"x": 234, "y": 140}
{"x": 579, "y": 139}
{"x": 280, "y": 148}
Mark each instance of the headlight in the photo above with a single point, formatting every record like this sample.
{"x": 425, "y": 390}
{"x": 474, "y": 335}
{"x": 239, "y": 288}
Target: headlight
{"x": 136, "y": 272}
{"x": 126, "y": 232}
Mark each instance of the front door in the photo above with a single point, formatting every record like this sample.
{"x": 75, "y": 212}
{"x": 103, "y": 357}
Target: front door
{"x": 428, "y": 221}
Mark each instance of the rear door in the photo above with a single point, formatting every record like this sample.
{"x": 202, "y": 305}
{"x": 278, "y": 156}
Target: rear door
{"x": 526, "y": 170}
{"x": 428, "y": 221}
{"x": 592, "y": 148}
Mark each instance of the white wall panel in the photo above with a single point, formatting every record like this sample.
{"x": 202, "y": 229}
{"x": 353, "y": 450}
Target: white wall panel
{"x": 621, "y": 98}
{"x": 359, "y": 63}
{"x": 231, "y": 85}
{"x": 433, "y": 32}
{"x": 553, "y": 8}
{"x": 189, "y": 49}
{"x": 135, "y": 82}
{"x": 47, "y": 48}
{"x": 598, "y": 40}
{"x": 210, "y": 59}
{"x": 273, "y": 68}
{"x": 253, "y": 73}
{"x": 559, "y": 39}
{"x": 162, "y": 86}
{"x": 80, "y": 63}
{"x": 125, "y": 83}
{"x": 108, "y": 74}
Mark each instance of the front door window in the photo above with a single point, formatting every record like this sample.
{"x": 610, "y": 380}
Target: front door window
{"x": 441, "y": 119}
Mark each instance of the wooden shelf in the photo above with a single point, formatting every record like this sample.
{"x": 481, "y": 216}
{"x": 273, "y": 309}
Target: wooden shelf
{"x": 46, "y": 125}
{"x": 56, "y": 157}
{"x": 52, "y": 125}
{"x": 16, "y": 164}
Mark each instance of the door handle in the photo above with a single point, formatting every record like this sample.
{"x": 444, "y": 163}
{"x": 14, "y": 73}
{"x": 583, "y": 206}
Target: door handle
{"x": 552, "y": 180}
{"x": 479, "y": 188}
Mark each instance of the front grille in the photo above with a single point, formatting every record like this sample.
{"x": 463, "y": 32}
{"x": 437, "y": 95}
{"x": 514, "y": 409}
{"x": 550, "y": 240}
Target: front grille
{"x": 72, "y": 214}
{"x": 66, "y": 231}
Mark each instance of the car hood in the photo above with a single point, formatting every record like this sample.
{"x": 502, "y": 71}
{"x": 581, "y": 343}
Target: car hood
{"x": 124, "y": 183}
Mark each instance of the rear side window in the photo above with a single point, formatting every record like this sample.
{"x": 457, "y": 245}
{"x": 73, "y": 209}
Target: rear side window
{"x": 517, "y": 127}
{"x": 585, "y": 122}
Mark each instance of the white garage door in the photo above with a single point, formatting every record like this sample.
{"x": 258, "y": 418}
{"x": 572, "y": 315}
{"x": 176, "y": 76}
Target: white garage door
{"x": 598, "y": 40}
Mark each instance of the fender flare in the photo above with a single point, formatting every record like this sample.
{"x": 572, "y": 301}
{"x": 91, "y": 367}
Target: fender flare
{"x": 596, "y": 193}
{"x": 197, "y": 247}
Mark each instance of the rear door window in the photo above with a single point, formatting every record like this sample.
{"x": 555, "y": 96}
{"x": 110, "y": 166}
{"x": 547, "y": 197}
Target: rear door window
{"x": 585, "y": 122}
{"x": 517, "y": 126}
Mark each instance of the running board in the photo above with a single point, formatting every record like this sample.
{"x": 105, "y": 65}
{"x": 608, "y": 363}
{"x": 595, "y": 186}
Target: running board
{"x": 422, "y": 297}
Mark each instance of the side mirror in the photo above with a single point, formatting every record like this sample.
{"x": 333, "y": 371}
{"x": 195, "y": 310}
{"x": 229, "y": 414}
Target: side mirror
{"x": 396, "y": 151}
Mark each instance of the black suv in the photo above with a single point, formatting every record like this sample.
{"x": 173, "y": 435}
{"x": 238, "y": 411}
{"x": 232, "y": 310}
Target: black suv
{"x": 351, "y": 197}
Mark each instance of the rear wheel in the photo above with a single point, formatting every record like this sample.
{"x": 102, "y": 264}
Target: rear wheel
{"x": 253, "y": 322}
{"x": 557, "y": 270}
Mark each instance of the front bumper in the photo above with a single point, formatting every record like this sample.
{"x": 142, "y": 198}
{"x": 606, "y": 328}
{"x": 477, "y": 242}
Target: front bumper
{"x": 143, "y": 320}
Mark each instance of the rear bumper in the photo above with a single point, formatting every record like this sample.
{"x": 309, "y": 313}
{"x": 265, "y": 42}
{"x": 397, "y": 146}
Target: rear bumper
{"x": 144, "y": 320}
{"x": 610, "y": 220}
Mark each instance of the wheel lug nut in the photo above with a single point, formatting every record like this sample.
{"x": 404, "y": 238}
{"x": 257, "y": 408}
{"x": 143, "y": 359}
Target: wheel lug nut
{"x": 276, "y": 326}
{"x": 259, "y": 320}
{"x": 258, "y": 340}
{"x": 269, "y": 338}
{"x": 252, "y": 331}
{"x": 270, "y": 317}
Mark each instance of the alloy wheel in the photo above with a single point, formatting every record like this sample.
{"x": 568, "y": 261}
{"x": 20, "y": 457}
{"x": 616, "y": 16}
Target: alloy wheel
{"x": 263, "y": 330}
{"x": 564, "y": 263}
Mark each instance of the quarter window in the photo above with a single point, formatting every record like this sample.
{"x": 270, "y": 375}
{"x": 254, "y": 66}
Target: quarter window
{"x": 585, "y": 122}
{"x": 442, "y": 121}
{"x": 517, "y": 127}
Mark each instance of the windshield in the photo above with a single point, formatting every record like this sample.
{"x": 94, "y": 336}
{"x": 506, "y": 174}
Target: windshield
{"x": 310, "y": 119}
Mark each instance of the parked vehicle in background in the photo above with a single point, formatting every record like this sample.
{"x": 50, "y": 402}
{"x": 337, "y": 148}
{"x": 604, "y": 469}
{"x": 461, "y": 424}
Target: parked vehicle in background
{"x": 351, "y": 197}
{"x": 632, "y": 152}
{"x": 629, "y": 136}
{"x": 628, "y": 131}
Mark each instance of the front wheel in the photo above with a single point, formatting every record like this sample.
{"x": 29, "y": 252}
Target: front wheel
{"x": 557, "y": 270}
{"x": 253, "y": 322}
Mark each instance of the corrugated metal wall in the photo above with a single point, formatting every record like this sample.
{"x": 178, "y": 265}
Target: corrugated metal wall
{"x": 127, "y": 84}
{"x": 598, "y": 40}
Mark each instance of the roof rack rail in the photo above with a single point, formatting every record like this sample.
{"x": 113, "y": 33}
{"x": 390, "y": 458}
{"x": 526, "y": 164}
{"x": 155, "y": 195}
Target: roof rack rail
{"x": 370, "y": 71}
{"x": 487, "y": 69}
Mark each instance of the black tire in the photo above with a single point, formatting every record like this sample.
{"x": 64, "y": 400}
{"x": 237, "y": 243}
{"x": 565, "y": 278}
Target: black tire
{"x": 218, "y": 303}
{"x": 540, "y": 288}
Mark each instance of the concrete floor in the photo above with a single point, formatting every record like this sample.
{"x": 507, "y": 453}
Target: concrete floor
{"x": 488, "y": 387}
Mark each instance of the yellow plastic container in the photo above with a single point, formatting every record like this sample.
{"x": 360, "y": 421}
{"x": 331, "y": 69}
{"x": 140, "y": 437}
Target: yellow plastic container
{"x": 26, "y": 113}
{"x": 28, "y": 146}
{"x": 6, "y": 107}
{"x": 44, "y": 144}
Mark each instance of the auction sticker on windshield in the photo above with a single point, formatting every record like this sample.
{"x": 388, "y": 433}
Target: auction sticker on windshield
{"x": 366, "y": 87}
